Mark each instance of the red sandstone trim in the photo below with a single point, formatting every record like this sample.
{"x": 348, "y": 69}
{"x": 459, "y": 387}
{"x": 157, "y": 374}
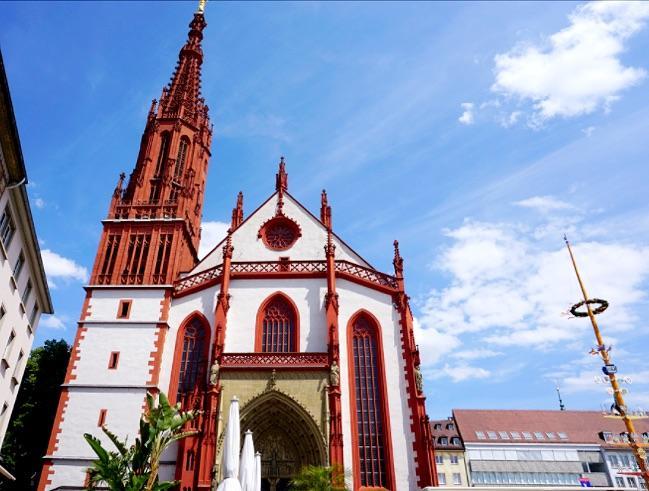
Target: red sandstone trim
{"x": 155, "y": 357}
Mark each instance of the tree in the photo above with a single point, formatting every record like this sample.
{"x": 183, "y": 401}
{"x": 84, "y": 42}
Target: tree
{"x": 34, "y": 414}
{"x": 135, "y": 467}
{"x": 315, "y": 478}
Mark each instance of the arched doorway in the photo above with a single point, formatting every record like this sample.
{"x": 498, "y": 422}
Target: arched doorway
{"x": 285, "y": 434}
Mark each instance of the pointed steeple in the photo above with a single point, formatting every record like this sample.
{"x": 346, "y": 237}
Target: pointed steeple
{"x": 281, "y": 178}
{"x": 182, "y": 97}
{"x": 325, "y": 210}
{"x": 237, "y": 212}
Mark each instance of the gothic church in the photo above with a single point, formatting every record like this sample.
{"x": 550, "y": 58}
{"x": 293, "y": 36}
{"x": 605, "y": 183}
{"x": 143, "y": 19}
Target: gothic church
{"x": 316, "y": 343}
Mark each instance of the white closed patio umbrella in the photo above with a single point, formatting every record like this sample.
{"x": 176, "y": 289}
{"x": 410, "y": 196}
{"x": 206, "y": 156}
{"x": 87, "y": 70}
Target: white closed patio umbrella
{"x": 231, "y": 450}
{"x": 247, "y": 465}
{"x": 257, "y": 472}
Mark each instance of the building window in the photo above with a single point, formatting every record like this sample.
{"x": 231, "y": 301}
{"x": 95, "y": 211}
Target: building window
{"x": 480, "y": 435}
{"x": 182, "y": 158}
{"x": 562, "y": 435}
{"x": 515, "y": 435}
{"x": 439, "y": 459}
{"x": 441, "y": 478}
{"x": 27, "y": 292}
{"x": 102, "y": 417}
{"x": 527, "y": 435}
{"x": 193, "y": 357}
{"x": 18, "y": 267}
{"x": 7, "y": 227}
{"x": 492, "y": 435}
{"x": 631, "y": 482}
{"x": 9, "y": 345}
{"x": 620, "y": 482}
{"x": 3, "y": 312}
{"x": 454, "y": 459}
{"x": 442, "y": 440}
{"x": 32, "y": 316}
{"x": 539, "y": 435}
{"x": 113, "y": 360}
{"x": 455, "y": 440}
{"x": 503, "y": 435}
{"x": 450, "y": 426}
{"x": 438, "y": 426}
{"x": 124, "y": 309}
{"x": 551, "y": 436}
{"x": 366, "y": 366}
{"x": 457, "y": 479}
{"x": 278, "y": 329}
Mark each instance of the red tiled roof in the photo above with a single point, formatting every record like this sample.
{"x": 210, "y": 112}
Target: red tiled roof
{"x": 579, "y": 426}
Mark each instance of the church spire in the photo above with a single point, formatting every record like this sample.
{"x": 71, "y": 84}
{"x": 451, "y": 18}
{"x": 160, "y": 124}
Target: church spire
{"x": 182, "y": 97}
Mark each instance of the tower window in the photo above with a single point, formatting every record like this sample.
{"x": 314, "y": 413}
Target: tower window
{"x": 108, "y": 264}
{"x": 124, "y": 309}
{"x": 138, "y": 251}
{"x": 183, "y": 149}
{"x": 162, "y": 155}
{"x": 369, "y": 404}
{"x": 193, "y": 357}
{"x": 162, "y": 258}
{"x": 278, "y": 327}
{"x": 113, "y": 360}
{"x": 102, "y": 417}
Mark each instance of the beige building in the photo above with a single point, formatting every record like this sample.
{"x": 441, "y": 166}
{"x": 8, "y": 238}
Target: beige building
{"x": 24, "y": 295}
{"x": 449, "y": 453}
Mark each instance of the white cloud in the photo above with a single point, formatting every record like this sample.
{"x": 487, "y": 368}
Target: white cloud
{"x": 39, "y": 203}
{"x": 211, "y": 234}
{"x": 57, "y": 266}
{"x": 468, "y": 116}
{"x": 476, "y": 354}
{"x": 512, "y": 288}
{"x": 52, "y": 322}
{"x": 459, "y": 373}
{"x": 588, "y": 131}
{"x": 578, "y": 69}
{"x": 544, "y": 204}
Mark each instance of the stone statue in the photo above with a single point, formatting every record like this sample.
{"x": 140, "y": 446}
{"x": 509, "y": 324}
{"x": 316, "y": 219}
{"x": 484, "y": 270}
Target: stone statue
{"x": 214, "y": 372}
{"x": 334, "y": 374}
{"x": 419, "y": 380}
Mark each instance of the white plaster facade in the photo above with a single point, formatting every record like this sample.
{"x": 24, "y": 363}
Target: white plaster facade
{"x": 24, "y": 294}
{"x": 121, "y": 391}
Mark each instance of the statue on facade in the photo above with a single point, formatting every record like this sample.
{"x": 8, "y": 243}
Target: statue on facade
{"x": 419, "y": 380}
{"x": 334, "y": 374}
{"x": 214, "y": 372}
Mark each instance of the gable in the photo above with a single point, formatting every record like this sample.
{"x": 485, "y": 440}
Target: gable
{"x": 248, "y": 246}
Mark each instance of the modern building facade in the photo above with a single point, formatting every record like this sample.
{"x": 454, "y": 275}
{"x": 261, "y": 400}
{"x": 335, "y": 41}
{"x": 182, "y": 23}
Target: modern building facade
{"x": 24, "y": 294}
{"x": 544, "y": 448}
{"x": 449, "y": 453}
{"x": 316, "y": 343}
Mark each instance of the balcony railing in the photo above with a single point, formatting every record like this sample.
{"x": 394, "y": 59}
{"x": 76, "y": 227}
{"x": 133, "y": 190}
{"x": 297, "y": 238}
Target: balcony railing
{"x": 274, "y": 360}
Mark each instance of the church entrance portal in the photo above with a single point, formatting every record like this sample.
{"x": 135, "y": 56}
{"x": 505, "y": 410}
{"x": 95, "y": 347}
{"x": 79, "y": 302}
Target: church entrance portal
{"x": 286, "y": 436}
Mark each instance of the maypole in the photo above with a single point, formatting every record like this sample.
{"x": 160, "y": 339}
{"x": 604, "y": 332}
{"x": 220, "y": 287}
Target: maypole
{"x": 610, "y": 370}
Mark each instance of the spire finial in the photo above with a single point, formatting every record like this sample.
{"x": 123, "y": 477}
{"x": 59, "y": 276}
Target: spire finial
{"x": 325, "y": 210}
{"x": 201, "y": 6}
{"x": 398, "y": 260}
{"x": 237, "y": 212}
{"x": 281, "y": 178}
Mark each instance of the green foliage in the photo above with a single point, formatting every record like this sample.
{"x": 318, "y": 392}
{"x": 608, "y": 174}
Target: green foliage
{"x": 135, "y": 467}
{"x": 33, "y": 415}
{"x": 315, "y": 478}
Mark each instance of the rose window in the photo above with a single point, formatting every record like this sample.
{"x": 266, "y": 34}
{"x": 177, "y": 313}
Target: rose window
{"x": 279, "y": 233}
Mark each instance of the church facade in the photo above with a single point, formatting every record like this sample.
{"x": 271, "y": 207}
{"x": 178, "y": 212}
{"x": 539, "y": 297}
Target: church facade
{"x": 317, "y": 344}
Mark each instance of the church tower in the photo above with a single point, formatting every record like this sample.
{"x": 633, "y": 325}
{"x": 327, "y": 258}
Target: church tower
{"x": 153, "y": 225}
{"x": 150, "y": 236}
{"x": 316, "y": 343}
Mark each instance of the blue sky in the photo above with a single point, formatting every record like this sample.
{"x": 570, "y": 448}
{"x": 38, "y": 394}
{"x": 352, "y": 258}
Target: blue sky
{"x": 475, "y": 133}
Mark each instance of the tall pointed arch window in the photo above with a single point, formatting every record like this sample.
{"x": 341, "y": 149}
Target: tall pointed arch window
{"x": 163, "y": 154}
{"x": 372, "y": 460}
{"x": 193, "y": 357}
{"x": 181, "y": 159}
{"x": 277, "y": 326}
